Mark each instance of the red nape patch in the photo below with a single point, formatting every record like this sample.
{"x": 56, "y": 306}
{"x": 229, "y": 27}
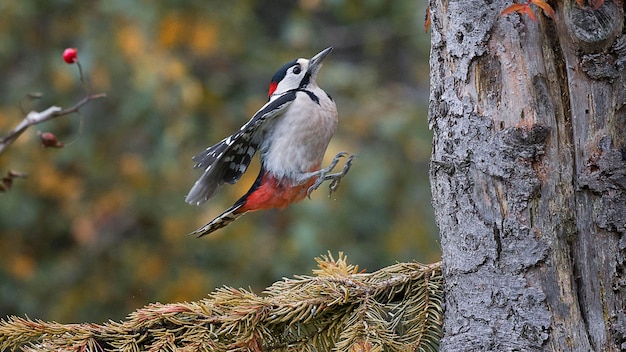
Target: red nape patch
{"x": 273, "y": 86}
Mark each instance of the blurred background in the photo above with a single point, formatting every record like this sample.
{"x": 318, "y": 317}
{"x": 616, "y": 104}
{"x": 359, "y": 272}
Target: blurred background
{"x": 99, "y": 227}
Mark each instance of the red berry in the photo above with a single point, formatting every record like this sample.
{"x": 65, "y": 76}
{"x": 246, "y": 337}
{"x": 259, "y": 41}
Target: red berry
{"x": 70, "y": 55}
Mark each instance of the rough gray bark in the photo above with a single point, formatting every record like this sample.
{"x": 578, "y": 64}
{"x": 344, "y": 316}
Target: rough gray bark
{"x": 528, "y": 175}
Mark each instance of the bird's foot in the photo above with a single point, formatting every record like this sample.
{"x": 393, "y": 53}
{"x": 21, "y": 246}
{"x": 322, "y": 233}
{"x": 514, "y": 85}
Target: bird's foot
{"x": 325, "y": 175}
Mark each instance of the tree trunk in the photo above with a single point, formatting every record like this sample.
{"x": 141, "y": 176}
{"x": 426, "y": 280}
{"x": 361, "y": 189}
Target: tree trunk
{"x": 528, "y": 175}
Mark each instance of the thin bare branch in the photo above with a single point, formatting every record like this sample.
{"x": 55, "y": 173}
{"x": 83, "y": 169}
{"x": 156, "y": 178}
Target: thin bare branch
{"x": 34, "y": 118}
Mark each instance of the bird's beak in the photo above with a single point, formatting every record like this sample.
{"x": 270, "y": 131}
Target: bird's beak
{"x": 316, "y": 61}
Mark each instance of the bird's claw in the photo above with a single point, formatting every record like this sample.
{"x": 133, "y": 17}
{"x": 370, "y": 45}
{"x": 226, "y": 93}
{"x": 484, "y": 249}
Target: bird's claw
{"x": 324, "y": 174}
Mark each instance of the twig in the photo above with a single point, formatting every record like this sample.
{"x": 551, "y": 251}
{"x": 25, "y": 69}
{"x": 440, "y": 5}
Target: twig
{"x": 34, "y": 117}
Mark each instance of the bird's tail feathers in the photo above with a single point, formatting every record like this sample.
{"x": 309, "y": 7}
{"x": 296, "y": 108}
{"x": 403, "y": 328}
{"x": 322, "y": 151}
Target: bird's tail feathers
{"x": 229, "y": 215}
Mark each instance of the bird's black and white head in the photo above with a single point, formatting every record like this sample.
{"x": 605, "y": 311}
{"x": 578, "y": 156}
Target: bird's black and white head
{"x": 297, "y": 74}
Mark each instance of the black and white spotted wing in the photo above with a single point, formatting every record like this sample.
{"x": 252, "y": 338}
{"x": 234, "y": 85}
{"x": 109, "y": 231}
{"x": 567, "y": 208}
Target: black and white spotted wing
{"x": 227, "y": 160}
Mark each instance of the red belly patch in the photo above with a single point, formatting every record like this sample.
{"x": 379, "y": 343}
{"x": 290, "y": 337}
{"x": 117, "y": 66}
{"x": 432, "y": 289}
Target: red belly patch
{"x": 275, "y": 193}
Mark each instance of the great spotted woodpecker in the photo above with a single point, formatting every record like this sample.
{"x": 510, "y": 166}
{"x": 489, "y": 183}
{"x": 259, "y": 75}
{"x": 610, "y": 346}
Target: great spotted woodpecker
{"x": 291, "y": 132}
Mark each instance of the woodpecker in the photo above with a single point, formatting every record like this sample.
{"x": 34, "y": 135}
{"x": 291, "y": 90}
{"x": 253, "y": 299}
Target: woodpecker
{"x": 291, "y": 133}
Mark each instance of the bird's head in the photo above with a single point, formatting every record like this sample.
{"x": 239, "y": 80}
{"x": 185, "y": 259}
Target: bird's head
{"x": 297, "y": 74}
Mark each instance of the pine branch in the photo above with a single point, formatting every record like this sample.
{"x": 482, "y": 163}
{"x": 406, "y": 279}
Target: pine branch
{"x": 397, "y": 308}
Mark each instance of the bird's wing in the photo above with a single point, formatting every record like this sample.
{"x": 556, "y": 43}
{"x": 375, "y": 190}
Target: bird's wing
{"x": 227, "y": 160}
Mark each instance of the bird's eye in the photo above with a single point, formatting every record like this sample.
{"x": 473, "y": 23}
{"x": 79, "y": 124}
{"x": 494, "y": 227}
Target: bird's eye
{"x": 297, "y": 69}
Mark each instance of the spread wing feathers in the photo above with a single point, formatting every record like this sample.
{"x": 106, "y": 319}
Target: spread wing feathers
{"x": 228, "y": 160}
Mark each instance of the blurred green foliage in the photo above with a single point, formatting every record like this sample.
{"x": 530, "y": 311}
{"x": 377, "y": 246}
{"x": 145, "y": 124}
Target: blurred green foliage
{"x": 98, "y": 228}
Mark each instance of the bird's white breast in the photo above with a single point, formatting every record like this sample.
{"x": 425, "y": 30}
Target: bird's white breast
{"x": 298, "y": 139}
